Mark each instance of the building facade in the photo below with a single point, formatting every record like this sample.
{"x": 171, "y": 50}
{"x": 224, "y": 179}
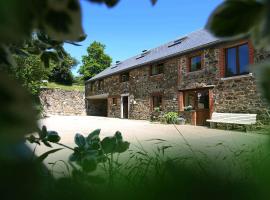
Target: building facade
{"x": 195, "y": 76}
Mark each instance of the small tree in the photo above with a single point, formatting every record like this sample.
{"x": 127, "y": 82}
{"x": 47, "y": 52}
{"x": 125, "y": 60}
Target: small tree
{"x": 61, "y": 71}
{"x": 95, "y": 61}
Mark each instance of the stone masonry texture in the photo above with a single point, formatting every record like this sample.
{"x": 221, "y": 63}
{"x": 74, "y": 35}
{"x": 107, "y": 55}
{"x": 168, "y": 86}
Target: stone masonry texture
{"x": 235, "y": 94}
{"x": 62, "y": 102}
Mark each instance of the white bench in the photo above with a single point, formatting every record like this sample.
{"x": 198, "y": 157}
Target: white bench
{"x": 232, "y": 118}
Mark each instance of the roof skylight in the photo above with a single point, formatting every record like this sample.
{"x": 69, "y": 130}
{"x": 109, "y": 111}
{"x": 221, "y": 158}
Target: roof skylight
{"x": 178, "y": 41}
{"x": 143, "y": 54}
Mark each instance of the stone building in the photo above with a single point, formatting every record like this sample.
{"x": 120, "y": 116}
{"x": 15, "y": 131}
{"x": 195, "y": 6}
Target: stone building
{"x": 194, "y": 75}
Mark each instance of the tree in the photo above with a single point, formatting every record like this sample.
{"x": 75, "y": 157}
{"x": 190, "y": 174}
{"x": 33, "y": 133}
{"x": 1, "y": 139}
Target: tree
{"x": 30, "y": 72}
{"x": 61, "y": 72}
{"x": 95, "y": 61}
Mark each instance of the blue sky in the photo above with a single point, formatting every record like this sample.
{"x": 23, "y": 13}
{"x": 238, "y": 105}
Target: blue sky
{"x": 135, "y": 25}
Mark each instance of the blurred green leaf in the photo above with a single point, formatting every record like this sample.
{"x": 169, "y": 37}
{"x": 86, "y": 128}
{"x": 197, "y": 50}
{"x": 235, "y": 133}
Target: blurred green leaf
{"x": 62, "y": 20}
{"x": 109, "y": 3}
{"x": 47, "y": 56}
{"x": 89, "y": 164}
{"x": 122, "y": 147}
{"x": 118, "y": 136}
{"x": 108, "y": 144}
{"x": 46, "y": 143}
{"x": 53, "y": 137}
{"x": 74, "y": 157}
{"x": 16, "y": 18}
{"x": 93, "y": 135}
{"x": 232, "y": 17}
{"x": 262, "y": 72}
{"x": 17, "y": 114}
{"x": 80, "y": 140}
{"x": 42, "y": 133}
{"x": 45, "y": 155}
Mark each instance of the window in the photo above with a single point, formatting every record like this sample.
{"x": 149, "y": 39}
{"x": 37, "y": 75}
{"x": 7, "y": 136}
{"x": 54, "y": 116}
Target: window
{"x": 157, "y": 101}
{"x": 92, "y": 87}
{"x": 114, "y": 101}
{"x": 195, "y": 63}
{"x": 203, "y": 99}
{"x": 196, "y": 99}
{"x": 100, "y": 84}
{"x": 124, "y": 77}
{"x": 237, "y": 60}
{"x": 189, "y": 100}
{"x": 157, "y": 69}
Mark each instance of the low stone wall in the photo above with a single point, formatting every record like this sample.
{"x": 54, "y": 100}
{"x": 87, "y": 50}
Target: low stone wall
{"x": 62, "y": 102}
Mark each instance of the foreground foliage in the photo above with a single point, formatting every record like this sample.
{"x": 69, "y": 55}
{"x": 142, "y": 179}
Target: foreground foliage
{"x": 60, "y": 21}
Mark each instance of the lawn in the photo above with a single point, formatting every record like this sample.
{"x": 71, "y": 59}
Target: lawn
{"x": 65, "y": 87}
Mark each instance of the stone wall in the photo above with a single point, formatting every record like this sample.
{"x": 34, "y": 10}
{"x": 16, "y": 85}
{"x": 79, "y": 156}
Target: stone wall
{"x": 239, "y": 95}
{"x": 234, "y": 94}
{"x": 208, "y": 75}
{"x": 62, "y": 102}
{"x": 140, "y": 87}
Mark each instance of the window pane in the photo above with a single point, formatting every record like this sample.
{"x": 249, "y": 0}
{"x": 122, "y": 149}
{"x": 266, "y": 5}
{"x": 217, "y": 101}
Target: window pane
{"x": 154, "y": 70}
{"x": 231, "y": 68}
{"x": 196, "y": 63}
{"x": 203, "y": 100}
{"x": 189, "y": 99}
{"x": 157, "y": 69}
{"x": 160, "y": 68}
{"x": 125, "y": 77}
{"x": 243, "y": 59}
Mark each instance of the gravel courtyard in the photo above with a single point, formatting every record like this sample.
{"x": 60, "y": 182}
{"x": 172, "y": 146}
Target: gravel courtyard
{"x": 222, "y": 147}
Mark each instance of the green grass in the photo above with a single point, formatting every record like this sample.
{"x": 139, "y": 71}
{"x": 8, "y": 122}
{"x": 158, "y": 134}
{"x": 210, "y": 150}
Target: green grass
{"x": 65, "y": 87}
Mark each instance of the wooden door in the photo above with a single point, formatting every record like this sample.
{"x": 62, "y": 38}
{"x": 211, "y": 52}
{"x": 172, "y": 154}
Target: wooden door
{"x": 125, "y": 107}
{"x": 202, "y": 107}
{"x": 201, "y": 116}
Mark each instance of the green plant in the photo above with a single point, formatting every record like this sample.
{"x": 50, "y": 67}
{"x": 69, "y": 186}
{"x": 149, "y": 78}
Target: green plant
{"x": 89, "y": 152}
{"x": 171, "y": 117}
{"x": 95, "y": 61}
{"x": 187, "y": 108}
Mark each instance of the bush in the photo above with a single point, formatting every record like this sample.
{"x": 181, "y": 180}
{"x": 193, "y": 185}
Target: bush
{"x": 171, "y": 117}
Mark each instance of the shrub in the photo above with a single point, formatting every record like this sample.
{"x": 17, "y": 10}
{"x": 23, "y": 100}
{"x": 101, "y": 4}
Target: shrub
{"x": 171, "y": 117}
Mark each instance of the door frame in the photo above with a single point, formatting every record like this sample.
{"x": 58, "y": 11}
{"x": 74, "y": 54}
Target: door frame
{"x": 196, "y": 90}
{"x": 122, "y": 107}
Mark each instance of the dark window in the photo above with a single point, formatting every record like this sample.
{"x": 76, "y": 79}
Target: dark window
{"x": 157, "y": 101}
{"x": 203, "y": 99}
{"x": 124, "y": 77}
{"x": 92, "y": 87}
{"x": 100, "y": 84}
{"x": 237, "y": 60}
{"x": 157, "y": 69}
{"x": 114, "y": 101}
{"x": 189, "y": 99}
{"x": 195, "y": 63}
{"x": 197, "y": 99}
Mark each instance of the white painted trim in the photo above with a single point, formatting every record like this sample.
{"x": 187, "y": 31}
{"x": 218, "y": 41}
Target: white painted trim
{"x": 99, "y": 96}
{"x": 237, "y": 77}
{"x": 122, "y": 107}
{"x": 124, "y": 95}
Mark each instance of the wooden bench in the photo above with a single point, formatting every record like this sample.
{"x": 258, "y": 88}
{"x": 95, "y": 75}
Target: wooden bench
{"x": 232, "y": 118}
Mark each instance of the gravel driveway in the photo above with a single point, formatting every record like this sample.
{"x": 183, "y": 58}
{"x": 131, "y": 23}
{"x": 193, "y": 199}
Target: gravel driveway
{"x": 216, "y": 143}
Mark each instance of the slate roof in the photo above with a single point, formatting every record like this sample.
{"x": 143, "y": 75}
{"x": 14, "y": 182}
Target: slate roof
{"x": 190, "y": 42}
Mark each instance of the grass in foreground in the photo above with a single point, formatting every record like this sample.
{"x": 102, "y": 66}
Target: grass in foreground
{"x": 73, "y": 87}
